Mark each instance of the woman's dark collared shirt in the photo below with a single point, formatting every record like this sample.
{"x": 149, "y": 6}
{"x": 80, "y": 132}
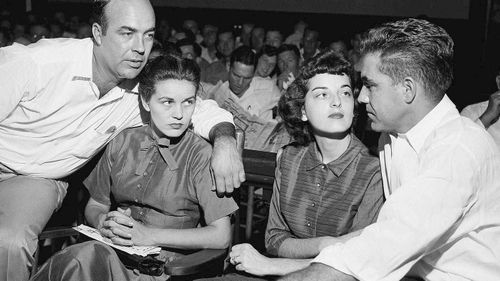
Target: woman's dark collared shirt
{"x": 311, "y": 199}
{"x": 163, "y": 183}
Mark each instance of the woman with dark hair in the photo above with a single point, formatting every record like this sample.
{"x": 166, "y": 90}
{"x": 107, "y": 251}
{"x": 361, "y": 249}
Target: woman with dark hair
{"x": 152, "y": 186}
{"x": 327, "y": 185}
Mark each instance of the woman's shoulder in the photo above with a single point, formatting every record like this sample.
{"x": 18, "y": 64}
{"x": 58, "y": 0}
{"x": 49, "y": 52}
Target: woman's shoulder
{"x": 365, "y": 158}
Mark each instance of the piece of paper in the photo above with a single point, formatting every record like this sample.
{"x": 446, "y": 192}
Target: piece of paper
{"x": 135, "y": 250}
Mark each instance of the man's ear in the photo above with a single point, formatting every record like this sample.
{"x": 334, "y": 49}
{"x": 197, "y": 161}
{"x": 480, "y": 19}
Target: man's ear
{"x": 409, "y": 89}
{"x": 497, "y": 79}
{"x": 97, "y": 33}
{"x": 145, "y": 104}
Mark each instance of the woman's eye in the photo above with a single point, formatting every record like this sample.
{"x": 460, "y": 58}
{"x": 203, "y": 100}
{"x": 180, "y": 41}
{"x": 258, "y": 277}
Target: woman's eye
{"x": 189, "y": 102}
{"x": 347, "y": 93}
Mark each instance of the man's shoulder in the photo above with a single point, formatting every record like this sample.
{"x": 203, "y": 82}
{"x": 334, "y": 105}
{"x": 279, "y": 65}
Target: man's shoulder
{"x": 461, "y": 134}
{"x": 59, "y": 50}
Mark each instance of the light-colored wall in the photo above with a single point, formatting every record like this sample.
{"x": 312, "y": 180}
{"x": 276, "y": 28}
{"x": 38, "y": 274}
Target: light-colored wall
{"x": 451, "y": 9}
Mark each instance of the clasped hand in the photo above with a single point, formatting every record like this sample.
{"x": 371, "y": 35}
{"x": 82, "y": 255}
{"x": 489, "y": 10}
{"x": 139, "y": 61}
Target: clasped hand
{"x": 122, "y": 229}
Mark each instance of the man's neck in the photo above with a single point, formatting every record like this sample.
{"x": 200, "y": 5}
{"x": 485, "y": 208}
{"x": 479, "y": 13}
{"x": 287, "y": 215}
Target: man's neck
{"x": 103, "y": 79}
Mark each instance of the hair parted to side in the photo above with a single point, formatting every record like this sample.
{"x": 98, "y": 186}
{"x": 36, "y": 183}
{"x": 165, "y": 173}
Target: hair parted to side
{"x": 98, "y": 14}
{"x": 165, "y": 67}
{"x": 292, "y": 101}
{"x": 413, "y": 48}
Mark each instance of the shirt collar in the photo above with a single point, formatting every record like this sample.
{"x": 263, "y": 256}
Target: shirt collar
{"x": 85, "y": 73}
{"x": 162, "y": 144}
{"x": 417, "y": 135}
{"x": 337, "y": 166}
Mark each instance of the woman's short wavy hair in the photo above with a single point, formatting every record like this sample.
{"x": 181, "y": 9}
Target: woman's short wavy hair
{"x": 168, "y": 66}
{"x": 292, "y": 101}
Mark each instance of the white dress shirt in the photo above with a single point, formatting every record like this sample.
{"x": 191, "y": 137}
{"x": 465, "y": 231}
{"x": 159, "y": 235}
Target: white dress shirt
{"x": 259, "y": 99}
{"x": 474, "y": 111}
{"x": 52, "y": 120}
{"x": 441, "y": 220}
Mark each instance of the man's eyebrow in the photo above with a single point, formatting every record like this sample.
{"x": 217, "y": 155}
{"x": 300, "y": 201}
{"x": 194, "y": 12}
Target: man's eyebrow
{"x": 129, "y": 28}
{"x": 124, "y": 27}
{"x": 367, "y": 80}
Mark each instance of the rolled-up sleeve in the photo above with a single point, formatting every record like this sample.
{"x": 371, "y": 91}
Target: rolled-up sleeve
{"x": 206, "y": 115}
{"x": 419, "y": 217}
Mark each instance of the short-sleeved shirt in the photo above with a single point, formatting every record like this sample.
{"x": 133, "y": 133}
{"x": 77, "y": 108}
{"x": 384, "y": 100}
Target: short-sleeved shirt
{"x": 312, "y": 199}
{"x": 163, "y": 182}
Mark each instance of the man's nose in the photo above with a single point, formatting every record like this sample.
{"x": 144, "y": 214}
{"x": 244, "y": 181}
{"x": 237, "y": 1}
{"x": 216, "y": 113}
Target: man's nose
{"x": 139, "y": 45}
{"x": 363, "y": 95}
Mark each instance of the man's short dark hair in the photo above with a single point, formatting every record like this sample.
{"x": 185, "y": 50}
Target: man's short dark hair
{"x": 244, "y": 55}
{"x": 98, "y": 14}
{"x": 413, "y": 48}
{"x": 289, "y": 47}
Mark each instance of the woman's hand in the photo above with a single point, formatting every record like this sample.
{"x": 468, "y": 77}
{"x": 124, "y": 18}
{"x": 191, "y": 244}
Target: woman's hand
{"x": 122, "y": 229}
{"x": 246, "y": 258}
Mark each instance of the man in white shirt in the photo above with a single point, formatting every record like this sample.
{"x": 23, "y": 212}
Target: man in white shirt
{"x": 245, "y": 92}
{"x": 440, "y": 170}
{"x": 486, "y": 113}
{"x": 257, "y": 95}
{"x": 61, "y": 101}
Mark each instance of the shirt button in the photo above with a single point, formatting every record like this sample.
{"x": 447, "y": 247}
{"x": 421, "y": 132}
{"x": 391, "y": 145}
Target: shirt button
{"x": 309, "y": 224}
{"x": 138, "y": 186}
{"x": 151, "y": 162}
{"x": 318, "y": 185}
{"x": 313, "y": 204}
{"x": 323, "y": 166}
{"x": 136, "y": 200}
{"x": 145, "y": 174}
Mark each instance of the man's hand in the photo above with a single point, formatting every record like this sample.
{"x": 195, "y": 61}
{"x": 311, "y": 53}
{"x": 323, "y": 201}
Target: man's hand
{"x": 317, "y": 272}
{"x": 246, "y": 258}
{"x": 227, "y": 165}
{"x": 492, "y": 112}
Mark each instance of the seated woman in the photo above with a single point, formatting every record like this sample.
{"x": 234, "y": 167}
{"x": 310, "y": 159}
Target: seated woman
{"x": 327, "y": 184}
{"x": 158, "y": 176}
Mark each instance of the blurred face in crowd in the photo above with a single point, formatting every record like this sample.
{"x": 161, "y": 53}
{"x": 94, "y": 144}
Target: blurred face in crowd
{"x": 288, "y": 62}
{"x": 171, "y": 107}
{"x": 226, "y": 44}
{"x": 209, "y": 35}
{"x": 191, "y": 25}
{"x": 274, "y": 38}
{"x": 125, "y": 45}
{"x": 240, "y": 77}
{"x": 38, "y": 32}
{"x": 265, "y": 65}
{"x": 187, "y": 52}
{"x": 339, "y": 47}
{"x": 329, "y": 104}
{"x": 310, "y": 41}
{"x": 258, "y": 36}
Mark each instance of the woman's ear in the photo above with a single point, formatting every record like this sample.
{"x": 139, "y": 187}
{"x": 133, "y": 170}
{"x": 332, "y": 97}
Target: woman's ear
{"x": 145, "y": 104}
{"x": 304, "y": 116}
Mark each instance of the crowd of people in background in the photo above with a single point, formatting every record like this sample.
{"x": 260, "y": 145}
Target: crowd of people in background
{"x": 275, "y": 62}
{"x": 148, "y": 93}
